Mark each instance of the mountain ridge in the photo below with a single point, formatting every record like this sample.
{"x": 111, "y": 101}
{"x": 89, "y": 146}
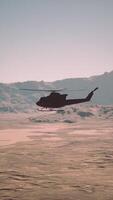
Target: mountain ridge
{"x": 12, "y": 98}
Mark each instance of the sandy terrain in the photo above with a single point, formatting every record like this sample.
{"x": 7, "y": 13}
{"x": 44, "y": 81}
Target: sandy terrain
{"x": 57, "y": 161}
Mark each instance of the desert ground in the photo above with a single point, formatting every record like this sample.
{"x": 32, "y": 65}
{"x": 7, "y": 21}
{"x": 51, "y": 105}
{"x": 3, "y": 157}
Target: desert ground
{"x": 57, "y": 160}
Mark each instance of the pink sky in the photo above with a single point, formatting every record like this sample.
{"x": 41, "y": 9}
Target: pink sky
{"x": 50, "y": 40}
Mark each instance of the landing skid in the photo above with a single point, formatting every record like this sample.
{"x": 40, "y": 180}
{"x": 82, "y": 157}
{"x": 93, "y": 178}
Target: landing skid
{"x": 46, "y": 110}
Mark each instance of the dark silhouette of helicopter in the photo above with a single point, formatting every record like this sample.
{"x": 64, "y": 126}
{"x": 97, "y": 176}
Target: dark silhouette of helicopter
{"x": 57, "y": 100}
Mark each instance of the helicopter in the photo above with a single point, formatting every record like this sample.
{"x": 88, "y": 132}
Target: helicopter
{"x": 57, "y": 100}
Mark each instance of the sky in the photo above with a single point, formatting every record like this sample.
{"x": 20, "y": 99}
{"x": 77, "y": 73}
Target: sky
{"x": 55, "y": 39}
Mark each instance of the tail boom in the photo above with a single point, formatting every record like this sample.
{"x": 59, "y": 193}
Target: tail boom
{"x": 75, "y": 101}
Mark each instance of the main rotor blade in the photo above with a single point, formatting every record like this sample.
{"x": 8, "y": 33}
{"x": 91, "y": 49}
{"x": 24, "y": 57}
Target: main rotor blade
{"x": 48, "y": 90}
{"x": 52, "y": 90}
{"x": 76, "y": 89}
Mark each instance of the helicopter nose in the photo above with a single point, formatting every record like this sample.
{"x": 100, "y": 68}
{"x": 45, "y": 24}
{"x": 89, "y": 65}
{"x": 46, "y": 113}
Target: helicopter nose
{"x": 38, "y": 103}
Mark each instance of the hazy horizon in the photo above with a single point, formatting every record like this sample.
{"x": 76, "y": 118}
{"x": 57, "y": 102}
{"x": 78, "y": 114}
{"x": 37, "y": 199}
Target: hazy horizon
{"x": 58, "y": 79}
{"x": 53, "y": 40}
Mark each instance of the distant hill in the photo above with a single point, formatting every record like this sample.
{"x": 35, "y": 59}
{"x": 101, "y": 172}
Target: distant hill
{"x": 12, "y": 99}
{"x": 105, "y": 83}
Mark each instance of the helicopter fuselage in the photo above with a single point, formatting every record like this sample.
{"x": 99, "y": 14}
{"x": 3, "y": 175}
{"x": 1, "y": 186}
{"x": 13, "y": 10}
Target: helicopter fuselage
{"x": 57, "y": 100}
{"x": 54, "y": 100}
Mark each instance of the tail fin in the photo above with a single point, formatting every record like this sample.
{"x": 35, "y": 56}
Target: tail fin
{"x": 95, "y": 89}
{"x": 88, "y": 98}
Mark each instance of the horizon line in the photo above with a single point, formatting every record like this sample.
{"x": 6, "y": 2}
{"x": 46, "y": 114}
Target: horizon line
{"x": 78, "y": 77}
